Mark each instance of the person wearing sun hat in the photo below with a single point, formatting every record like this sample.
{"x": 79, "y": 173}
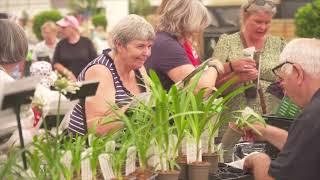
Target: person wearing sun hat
{"x": 74, "y": 51}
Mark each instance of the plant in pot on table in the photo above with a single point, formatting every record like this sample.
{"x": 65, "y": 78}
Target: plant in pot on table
{"x": 209, "y": 148}
{"x": 244, "y": 118}
{"x": 169, "y": 119}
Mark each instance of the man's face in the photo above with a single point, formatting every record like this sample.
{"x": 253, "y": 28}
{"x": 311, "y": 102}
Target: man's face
{"x": 288, "y": 76}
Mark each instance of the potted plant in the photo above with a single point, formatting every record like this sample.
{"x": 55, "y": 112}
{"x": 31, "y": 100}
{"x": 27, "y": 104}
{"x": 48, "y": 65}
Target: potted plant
{"x": 198, "y": 122}
{"x": 169, "y": 119}
{"x": 244, "y": 118}
{"x": 210, "y": 154}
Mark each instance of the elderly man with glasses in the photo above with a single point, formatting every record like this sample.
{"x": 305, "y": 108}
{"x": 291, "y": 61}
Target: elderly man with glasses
{"x": 299, "y": 157}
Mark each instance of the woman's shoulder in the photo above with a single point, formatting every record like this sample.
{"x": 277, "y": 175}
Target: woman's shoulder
{"x": 164, "y": 37}
{"x": 275, "y": 39}
{"x": 166, "y": 43}
{"x": 229, "y": 37}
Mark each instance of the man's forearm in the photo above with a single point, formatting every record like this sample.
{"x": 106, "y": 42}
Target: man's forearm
{"x": 275, "y": 136}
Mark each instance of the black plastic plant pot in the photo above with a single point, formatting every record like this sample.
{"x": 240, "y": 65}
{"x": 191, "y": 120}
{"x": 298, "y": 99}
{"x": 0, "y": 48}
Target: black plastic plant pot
{"x": 226, "y": 172}
{"x": 280, "y": 122}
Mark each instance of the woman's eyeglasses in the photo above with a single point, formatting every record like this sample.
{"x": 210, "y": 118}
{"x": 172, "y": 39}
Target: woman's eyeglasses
{"x": 260, "y": 3}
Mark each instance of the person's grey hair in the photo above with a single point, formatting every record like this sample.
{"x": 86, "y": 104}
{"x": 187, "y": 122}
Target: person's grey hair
{"x": 250, "y": 7}
{"x": 131, "y": 27}
{"x": 180, "y": 17}
{"x": 305, "y": 52}
{"x": 13, "y": 42}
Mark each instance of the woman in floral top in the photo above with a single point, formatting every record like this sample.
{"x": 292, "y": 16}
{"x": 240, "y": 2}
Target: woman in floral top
{"x": 256, "y": 16}
{"x": 256, "y": 20}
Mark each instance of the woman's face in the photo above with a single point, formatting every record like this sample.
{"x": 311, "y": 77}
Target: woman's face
{"x": 48, "y": 34}
{"x": 135, "y": 53}
{"x": 257, "y": 24}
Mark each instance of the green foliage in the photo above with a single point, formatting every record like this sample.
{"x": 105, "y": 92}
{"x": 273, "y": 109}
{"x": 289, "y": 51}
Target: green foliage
{"x": 247, "y": 117}
{"x": 86, "y": 7}
{"x": 306, "y": 19}
{"x": 43, "y": 17}
{"x": 10, "y": 168}
{"x": 140, "y": 7}
{"x": 99, "y": 20}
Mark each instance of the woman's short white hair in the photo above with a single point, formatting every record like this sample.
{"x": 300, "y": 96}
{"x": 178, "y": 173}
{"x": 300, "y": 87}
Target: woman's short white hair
{"x": 131, "y": 27}
{"x": 250, "y": 7}
{"x": 178, "y": 17}
{"x": 305, "y": 52}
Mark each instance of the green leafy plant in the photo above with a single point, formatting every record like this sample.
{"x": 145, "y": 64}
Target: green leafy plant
{"x": 9, "y": 167}
{"x": 169, "y": 119}
{"x": 41, "y": 18}
{"x": 304, "y": 20}
{"x": 247, "y": 117}
{"x": 119, "y": 155}
{"x": 140, "y": 7}
{"x": 86, "y": 7}
{"x": 44, "y": 159}
{"x": 214, "y": 124}
{"x": 99, "y": 20}
{"x": 210, "y": 107}
{"x": 76, "y": 145}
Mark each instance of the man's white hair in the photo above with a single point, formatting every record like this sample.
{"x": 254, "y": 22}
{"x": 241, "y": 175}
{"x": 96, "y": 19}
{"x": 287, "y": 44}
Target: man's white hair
{"x": 305, "y": 52}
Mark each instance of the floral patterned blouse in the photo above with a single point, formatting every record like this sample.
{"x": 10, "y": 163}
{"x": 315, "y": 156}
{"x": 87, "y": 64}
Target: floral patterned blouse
{"x": 230, "y": 48}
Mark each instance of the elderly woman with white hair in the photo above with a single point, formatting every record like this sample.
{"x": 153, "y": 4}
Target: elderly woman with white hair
{"x": 119, "y": 71}
{"x": 13, "y": 49}
{"x": 13, "y": 52}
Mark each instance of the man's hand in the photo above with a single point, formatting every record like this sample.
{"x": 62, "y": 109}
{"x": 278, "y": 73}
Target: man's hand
{"x": 248, "y": 133}
{"x": 258, "y": 164}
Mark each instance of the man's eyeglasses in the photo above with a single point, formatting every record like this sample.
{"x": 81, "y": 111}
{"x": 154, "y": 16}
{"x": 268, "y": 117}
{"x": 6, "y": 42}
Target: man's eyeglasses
{"x": 260, "y": 3}
{"x": 276, "y": 70}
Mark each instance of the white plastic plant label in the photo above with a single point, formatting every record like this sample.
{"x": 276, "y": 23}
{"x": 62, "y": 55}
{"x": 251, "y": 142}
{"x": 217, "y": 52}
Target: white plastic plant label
{"x": 131, "y": 160}
{"x": 66, "y": 161}
{"x": 106, "y": 166}
{"x": 86, "y": 172}
{"x": 110, "y": 146}
{"x": 192, "y": 150}
{"x": 164, "y": 164}
{"x": 90, "y": 139}
{"x": 154, "y": 157}
{"x": 249, "y": 52}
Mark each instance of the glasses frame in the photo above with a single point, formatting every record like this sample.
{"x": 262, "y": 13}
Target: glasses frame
{"x": 280, "y": 66}
{"x": 259, "y": 3}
